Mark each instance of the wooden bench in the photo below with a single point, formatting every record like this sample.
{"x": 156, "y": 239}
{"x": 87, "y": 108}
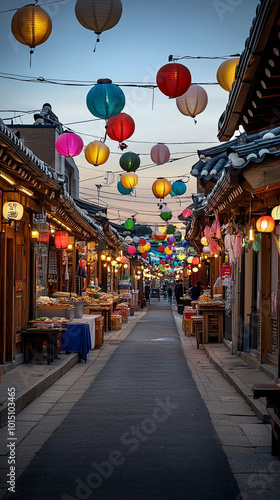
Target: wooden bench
{"x": 272, "y": 394}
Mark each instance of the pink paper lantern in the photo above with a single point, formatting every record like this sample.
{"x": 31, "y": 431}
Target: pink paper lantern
{"x": 186, "y": 213}
{"x": 195, "y": 261}
{"x": 131, "y": 250}
{"x": 69, "y": 144}
{"x": 160, "y": 154}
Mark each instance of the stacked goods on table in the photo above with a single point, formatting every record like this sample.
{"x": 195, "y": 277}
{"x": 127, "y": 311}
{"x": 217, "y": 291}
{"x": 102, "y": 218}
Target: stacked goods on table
{"x": 204, "y": 298}
{"x": 94, "y": 296}
{"x": 51, "y": 307}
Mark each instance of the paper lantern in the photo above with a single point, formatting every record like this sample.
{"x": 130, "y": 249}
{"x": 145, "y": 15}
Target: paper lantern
{"x": 195, "y": 269}
{"x": 265, "y": 224}
{"x": 166, "y": 216}
{"x": 173, "y": 79}
{"x": 145, "y": 255}
{"x": 128, "y": 240}
{"x": 129, "y": 224}
{"x": 186, "y": 213}
{"x": 179, "y": 187}
{"x": 195, "y": 261}
{"x": 204, "y": 241}
{"x": 123, "y": 260}
{"x": 121, "y": 189}
{"x": 105, "y": 99}
{"x": 171, "y": 240}
{"x": 161, "y": 187}
{"x": 226, "y": 73}
{"x": 142, "y": 241}
{"x": 129, "y": 161}
{"x": 167, "y": 251}
{"x": 181, "y": 256}
{"x": 61, "y": 239}
{"x": 147, "y": 247}
{"x": 12, "y": 210}
{"x": 193, "y": 102}
{"x": 82, "y": 263}
{"x": 69, "y": 144}
{"x": 275, "y": 214}
{"x": 131, "y": 250}
{"x": 160, "y": 154}
{"x": 172, "y": 193}
{"x": 31, "y": 25}
{"x": 189, "y": 260}
{"x": 98, "y": 15}
{"x": 120, "y": 127}
{"x": 141, "y": 248}
{"x": 161, "y": 248}
{"x": 97, "y": 153}
{"x": 136, "y": 239}
{"x": 129, "y": 180}
{"x": 206, "y": 249}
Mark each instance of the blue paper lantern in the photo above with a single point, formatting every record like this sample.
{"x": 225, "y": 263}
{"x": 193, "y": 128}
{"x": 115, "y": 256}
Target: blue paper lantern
{"x": 105, "y": 99}
{"x": 121, "y": 189}
{"x": 172, "y": 193}
{"x": 179, "y": 188}
{"x": 129, "y": 161}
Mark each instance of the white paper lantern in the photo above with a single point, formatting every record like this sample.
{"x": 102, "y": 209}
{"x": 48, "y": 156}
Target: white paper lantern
{"x": 193, "y": 102}
{"x": 98, "y": 15}
{"x": 12, "y": 210}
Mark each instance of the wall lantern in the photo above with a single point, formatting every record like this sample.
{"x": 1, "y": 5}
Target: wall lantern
{"x": 12, "y": 210}
{"x": 275, "y": 214}
{"x": 265, "y": 224}
{"x": 61, "y": 239}
{"x": 34, "y": 234}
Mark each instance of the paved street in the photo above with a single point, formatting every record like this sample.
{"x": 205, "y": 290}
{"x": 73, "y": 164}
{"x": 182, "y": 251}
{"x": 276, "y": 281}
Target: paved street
{"x": 141, "y": 429}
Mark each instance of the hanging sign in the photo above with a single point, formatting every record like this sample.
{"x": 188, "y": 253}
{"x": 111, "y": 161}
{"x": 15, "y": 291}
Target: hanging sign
{"x": 39, "y": 217}
{"x": 226, "y": 272}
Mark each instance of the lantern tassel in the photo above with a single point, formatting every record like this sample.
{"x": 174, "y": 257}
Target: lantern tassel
{"x": 195, "y": 121}
{"x": 97, "y": 40}
{"x": 31, "y": 52}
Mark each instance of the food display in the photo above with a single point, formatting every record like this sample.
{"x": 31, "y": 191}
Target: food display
{"x": 204, "y": 298}
{"x": 94, "y": 296}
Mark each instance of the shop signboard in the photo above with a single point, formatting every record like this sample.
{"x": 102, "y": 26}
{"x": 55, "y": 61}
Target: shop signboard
{"x": 226, "y": 272}
{"x": 39, "y": 217}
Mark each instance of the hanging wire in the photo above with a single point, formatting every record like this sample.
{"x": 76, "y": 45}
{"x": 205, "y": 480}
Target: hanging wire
{"x": 177, "y": 58}
{"x": 36, "y": 2}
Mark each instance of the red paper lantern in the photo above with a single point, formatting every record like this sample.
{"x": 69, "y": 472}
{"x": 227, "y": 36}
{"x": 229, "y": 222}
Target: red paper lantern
{"x": 82, "y": 263}
{"x": 265, "y": 224}
{"x": 186, "y": 213}
{"x": 144, "y": 255}
{"x": 131, "y": 249}
{"x": 120, "y": 127}
{"x": 123, "y": 260}
{"x": 173, "y": 79}
{"x": 161, "y": 248}
{"x": 61, "y": 239}
{"x": 142, "y": 241}
{"x": 195, "y": 261}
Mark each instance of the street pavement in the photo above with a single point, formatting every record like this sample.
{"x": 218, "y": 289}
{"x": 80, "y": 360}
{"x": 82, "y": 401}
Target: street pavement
{"x": 148, "y": 417}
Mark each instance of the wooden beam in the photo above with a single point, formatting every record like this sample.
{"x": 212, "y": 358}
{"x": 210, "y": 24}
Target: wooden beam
{"x": 265, "y": 297}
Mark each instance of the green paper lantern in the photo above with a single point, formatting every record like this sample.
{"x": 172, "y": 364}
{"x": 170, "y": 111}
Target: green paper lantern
{"x": 129, "y": 224}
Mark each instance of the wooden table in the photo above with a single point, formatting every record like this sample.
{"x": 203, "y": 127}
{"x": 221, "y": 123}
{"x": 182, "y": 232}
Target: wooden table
{"x": 40, "y": 334}
{"x": 186, "y": 301}
{"x": 213, "y": 320}
{"x": 106, "y": 313}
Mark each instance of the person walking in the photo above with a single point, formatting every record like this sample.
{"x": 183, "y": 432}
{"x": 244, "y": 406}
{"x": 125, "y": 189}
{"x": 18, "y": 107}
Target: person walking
{"x": 147, "y": 292}
{"x": 195, "y": 291}
{"x": 170, "y": 294}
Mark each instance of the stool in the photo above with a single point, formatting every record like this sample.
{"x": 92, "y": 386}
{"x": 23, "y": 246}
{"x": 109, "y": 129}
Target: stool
{"x": 116, "y": 320}
{"x": 197, "y": 327}
{"x": 188, "y": 326}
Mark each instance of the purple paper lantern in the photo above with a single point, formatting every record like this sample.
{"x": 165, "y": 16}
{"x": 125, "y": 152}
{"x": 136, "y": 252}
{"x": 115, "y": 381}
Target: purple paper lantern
{"x": 69, "y": 144}
{"x": 171, "y": 240}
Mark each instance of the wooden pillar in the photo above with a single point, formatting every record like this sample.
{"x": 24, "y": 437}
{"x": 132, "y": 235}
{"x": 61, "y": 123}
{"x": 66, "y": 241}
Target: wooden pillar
{"x": 265, "y": 297}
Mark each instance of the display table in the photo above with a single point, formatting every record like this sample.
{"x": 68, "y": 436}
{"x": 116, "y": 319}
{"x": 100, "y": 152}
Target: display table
{"x": 186, "y": 301}
{"x": 213, "y": 320}
{"x": 106, "y": 313}
{"x": 76, "y": 338}
{"x": 40, "y": 334}
{"x": 90, "y": 320}
{"x": 66, "y": 311}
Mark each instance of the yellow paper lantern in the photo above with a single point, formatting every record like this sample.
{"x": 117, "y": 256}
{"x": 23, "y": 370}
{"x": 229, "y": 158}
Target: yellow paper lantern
{"x": 167, "y": 251}
{"x": 31, "y": 25}
{"x": 275, "y": 214}
{"x": 147, "y": 247}
{"x": 226, "y": 73}
{"x": 129, "y": 180}
{"x": 189, "y": 260}
{"x": 161, "y": 187}
{"x": 204, "y": 241}
{"x": 141, "y": 248}
{"x": 181, "y": 256}
{"x": 97, "y": 153}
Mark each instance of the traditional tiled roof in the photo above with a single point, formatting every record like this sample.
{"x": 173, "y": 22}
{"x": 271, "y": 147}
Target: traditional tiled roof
{"x": 237, "y": 154}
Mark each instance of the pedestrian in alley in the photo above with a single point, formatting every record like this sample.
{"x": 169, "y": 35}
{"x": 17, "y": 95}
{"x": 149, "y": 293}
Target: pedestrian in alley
{"x": 170, "y": 294}
{"x": 179, "y": 292}
{"x": 195, "y": 291}
{"x": 147, "y": 292}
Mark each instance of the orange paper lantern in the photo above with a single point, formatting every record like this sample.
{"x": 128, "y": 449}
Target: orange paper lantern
{"x": 265, "y": 224}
